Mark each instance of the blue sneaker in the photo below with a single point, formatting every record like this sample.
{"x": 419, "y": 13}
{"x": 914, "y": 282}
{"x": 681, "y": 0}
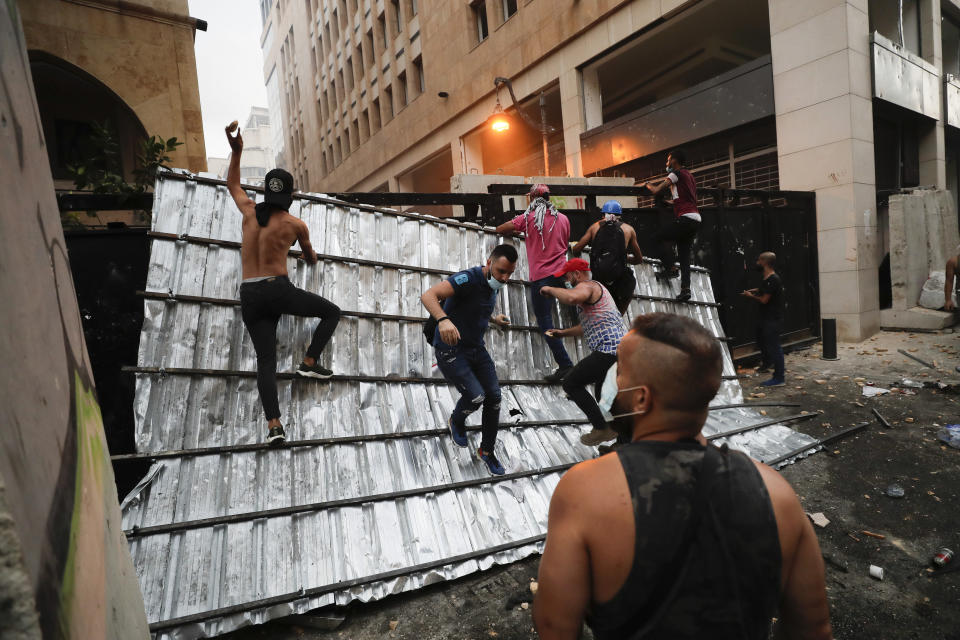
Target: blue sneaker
{"x": 459, "y": 434}
{"x": 492, "y": 463}
{"x": 773, "y": 382}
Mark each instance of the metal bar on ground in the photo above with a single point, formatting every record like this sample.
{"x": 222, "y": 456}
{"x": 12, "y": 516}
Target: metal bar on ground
{"x": 819, "y": 443}
{"x": 747, "y": 405}
{"x": 188, "y": 371}
{"x": 883, "y": 421}
{"x": 378, "y": 437}
{"x": 321, "y": 442}
{"x": 761, "y": 425}
{"x": 139, "y": 532}
{"x": 339, "y": 586}
{"x": 913, "y": 357}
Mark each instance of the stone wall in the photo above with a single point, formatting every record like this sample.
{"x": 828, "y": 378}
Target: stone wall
{"x": 922, "y": 235}
{"x": 139, "y": 52}
{"x": 58, "y": 481}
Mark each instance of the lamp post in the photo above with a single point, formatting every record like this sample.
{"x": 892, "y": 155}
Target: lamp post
{"x": 499, "y": 122}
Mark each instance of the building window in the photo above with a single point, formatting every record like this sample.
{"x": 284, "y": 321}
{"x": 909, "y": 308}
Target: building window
{"x": 413, "y": 8}
{"x": 509, "y": 8}
{"x": 371, "y": 52}
{"x": 388, "y": 104}
{"x": 349, "y": 74}
{"x": 480, "y": 19}
{"x": 402, "y": 89}
{"x": 355, "y": 133}
{"x": 382, "y": 23}
{"x": 364, "y": 124}
{"x": 347, "y": 146}
{"x": 398, "y": 19}
{"x": 898, "y": 22}
{"x": 375, "y": 117}
{"x": 421, "y": 81}
{"x": 951, "y": 47}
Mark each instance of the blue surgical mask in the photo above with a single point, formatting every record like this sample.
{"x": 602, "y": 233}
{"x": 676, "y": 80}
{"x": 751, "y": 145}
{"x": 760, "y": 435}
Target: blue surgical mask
{"x": 495, "y": 284}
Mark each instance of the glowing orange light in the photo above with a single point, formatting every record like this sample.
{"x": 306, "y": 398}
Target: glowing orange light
{"x": 500, "y": 124}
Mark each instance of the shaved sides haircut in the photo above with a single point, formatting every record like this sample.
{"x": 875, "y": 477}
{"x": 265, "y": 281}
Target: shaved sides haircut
{"x": 768, "y": 258}
{"x": 687, "y": 362}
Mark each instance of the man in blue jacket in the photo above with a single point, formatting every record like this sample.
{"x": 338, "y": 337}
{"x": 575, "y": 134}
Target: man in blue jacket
{"x": 463, "y": 307}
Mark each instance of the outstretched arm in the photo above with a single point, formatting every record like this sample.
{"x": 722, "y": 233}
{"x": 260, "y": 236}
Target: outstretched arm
{"x": 508, "y": 228}
{"x": 656, "y": 188}
{"x": 303, "y": 237}
{"x": 578, "y": 295}
{"x": 244, "y": 203}
{"x": 584, "y": 241}
{"x": 634, "y": 255}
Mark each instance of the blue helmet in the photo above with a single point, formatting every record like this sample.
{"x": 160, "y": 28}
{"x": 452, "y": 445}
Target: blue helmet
{"x": 612, "y": 206}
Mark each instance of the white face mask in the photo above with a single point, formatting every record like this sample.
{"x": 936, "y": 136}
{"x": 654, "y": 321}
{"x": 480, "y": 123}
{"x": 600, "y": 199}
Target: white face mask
{"x": 568, "y": 284}
{"x": 610, "y": 217}
{"x": 609, "y": 393}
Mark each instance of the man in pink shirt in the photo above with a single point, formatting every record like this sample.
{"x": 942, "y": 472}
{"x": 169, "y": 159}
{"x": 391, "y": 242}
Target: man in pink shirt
{"x": 547, "y": 233}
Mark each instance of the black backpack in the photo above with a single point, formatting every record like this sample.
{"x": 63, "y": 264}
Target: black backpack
{"x": 608, "y": 252}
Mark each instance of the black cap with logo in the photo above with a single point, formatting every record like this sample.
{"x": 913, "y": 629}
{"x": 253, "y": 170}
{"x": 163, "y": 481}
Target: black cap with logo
{"x": 277, "y": 194}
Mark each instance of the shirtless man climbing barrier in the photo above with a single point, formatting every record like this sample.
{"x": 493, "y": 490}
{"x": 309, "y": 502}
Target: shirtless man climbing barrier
{"x": 266, "y": 293}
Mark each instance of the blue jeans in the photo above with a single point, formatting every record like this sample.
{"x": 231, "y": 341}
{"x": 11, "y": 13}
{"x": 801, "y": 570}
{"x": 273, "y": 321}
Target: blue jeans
{"x": 771, "y": 352}
{"x": 543, "y": 307}
{"x": 471, "y": 371}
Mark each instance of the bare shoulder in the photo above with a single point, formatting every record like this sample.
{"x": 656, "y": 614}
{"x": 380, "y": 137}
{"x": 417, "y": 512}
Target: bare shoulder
{"x": 786, "y": 504}
{"x": 628, "y": 230}
{"x": 588, "y": 483}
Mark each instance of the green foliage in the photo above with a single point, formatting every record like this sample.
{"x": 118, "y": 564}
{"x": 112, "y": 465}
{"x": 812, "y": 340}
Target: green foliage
{"x": 100, "y": 168}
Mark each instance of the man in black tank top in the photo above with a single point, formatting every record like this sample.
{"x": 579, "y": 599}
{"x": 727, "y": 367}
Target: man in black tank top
{"x": 671, "y": 538}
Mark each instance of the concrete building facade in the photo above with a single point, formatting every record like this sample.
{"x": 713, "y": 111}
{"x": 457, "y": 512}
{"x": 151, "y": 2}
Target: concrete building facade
{"x": 396, "y": 95}
{"x": 129, "y": 63}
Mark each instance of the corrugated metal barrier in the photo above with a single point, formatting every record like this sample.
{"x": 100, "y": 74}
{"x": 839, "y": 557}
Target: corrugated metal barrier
{"x": 371, "y": 497}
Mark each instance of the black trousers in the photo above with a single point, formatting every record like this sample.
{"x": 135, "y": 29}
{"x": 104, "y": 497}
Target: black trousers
{"x": 680, "y": 232}
{"x": 622, "y": 289}
{"x": 771, "y": 351}
{"x": 591, "y": 370}
{"x": 261, "y": 305}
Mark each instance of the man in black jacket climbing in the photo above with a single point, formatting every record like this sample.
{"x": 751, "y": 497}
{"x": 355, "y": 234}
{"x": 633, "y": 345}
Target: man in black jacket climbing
{"x": 613, "y": 247}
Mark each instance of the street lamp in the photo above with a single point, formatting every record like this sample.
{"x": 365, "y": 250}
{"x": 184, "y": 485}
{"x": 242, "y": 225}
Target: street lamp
{"x": 499, "y": 122}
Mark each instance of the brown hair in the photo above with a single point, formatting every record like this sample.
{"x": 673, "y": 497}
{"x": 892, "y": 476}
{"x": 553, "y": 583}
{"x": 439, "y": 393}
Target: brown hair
{"x": 697, "y": 377}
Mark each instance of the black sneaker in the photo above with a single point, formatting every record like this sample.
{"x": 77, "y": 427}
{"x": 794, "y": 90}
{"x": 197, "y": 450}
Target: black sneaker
{"x": 316, "y": 371}
{"x": 276, "y": 437}
{"x": 684, "y": 295}
{"x": 557, "y": 376}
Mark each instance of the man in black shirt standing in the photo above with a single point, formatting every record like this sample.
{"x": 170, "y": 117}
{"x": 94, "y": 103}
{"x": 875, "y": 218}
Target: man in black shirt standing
{"x": 770, "y": 297}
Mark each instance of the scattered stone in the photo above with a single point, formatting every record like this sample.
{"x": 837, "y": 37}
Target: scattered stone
{"x": 820, "y": 381}
{"x": 876, "y": 572}
{"x": 819, "y": 519}
{"x": 394, "y": 624}
{"x": 534, "y": 586}
{"x": 895, "y": 491}
{"x": 908, "y": 420}
{"x": 524, "y": 605}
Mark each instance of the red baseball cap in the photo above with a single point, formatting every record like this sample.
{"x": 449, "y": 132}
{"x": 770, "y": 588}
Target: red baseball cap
{"x": 577, "y": 264}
